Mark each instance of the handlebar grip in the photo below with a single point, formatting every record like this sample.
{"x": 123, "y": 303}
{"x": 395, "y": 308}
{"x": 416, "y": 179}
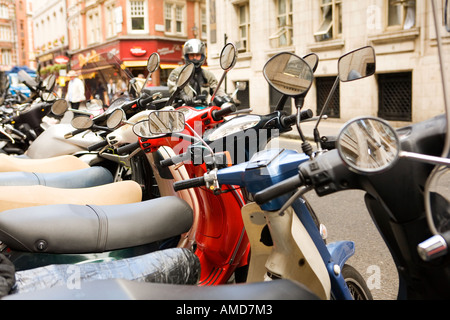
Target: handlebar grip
{"x": 278, "y": 189}
{"x": 71, "y": 134}
{"x": 292, "y": 119}
{"x": 217, "y": 115}
{"x": 128, "y": 148}
{"x": 97, "y": 145}
{"x": 174, "y": 160}
{"x": 191, "y": 183}
{"x": 144, "y": 101}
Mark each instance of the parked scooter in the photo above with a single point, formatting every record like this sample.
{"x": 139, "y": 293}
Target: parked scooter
{"x": 400, "y": 172}
{"x": 282, "y": 239}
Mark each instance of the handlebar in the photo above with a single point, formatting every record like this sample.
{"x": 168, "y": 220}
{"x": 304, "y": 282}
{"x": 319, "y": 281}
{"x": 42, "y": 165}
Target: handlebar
{"x": 97, "y": 145}
{"x": 218, "y": 115}
{"x": 73, "y": 133}
{"x": 128, "y": 148}
{"x": 174, "y": 160}
{"x": 191, "y": 183}
{"x": 278, "y": 189}
{"x": 289, "y": 121}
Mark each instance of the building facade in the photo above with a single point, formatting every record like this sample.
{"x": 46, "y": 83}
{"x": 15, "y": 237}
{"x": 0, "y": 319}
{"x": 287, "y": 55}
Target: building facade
{"x": 15, "y": 34}
{"x": 133, "y": 30}
{"x": 406, "y": 87}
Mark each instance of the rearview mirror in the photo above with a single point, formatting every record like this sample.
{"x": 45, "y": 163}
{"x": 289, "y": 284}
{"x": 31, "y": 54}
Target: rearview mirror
{"x": 153, "y": 62}
{"x": 312, "y": 60}
{"x": 60, "y": 107}
{"x": 288, "y": 74}
{"x": 82, "y": 122}
{"x": 228, "y": 57}
{"x": 357, "y": 64}
{"x": 163, "y": 122}
{"x": 368, "y": 145}
{"x": 116, "y": 118}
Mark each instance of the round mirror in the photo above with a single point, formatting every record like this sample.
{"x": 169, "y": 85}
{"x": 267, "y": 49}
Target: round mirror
{"x": 228, "y": 56}
{"x": 185, "y": 75}
{"x": 288, "y": 74}
{"x": 60, "y": 107}
{"x": 82, "y": 122}
{"x": 153, "y": 62}
{"x": 357, "y": 64}
{"x": 115, "y": 118}
{"x": 312, "y": 60}
{"x": 163, "y": 122}
{"x": 368, "y": 145}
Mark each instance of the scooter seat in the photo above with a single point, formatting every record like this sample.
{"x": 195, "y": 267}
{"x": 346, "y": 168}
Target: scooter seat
{"x": 120, "y": 289}
{"x": 13, "y": 197}
{"x": 83, "y": 178}
{"x": 67, "y": 228}
{"x": 55, "y": 164}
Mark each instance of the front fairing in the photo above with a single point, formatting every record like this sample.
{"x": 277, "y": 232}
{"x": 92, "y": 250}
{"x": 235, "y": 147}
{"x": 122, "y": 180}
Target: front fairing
{"x": 265, "y": 169}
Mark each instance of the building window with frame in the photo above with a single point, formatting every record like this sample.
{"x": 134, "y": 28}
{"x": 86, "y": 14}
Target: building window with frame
{"x": 110, "y": 21}
{"x": 243, "y": 11}
{"x": 174, "y": 18}
{"x": 138, "y": 21}
{"x": 93, "y": 27}
{"x": 331, "y": 22}
{"x": 204, "y": 24}
{"x": 395, "y": 96}
{"x": 284, "y": 34}
{"x": 323, "y": 89}
{"x": 401, "y": 14}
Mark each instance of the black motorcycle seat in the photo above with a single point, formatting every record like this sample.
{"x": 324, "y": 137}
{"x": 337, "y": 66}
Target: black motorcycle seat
{"x": 119, "y": 289}
{"x": 68, "y": 228}
{"x": 83, "y": 178}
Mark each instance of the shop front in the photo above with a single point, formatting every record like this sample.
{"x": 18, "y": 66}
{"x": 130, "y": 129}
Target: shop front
{"x": 96, "y": 66}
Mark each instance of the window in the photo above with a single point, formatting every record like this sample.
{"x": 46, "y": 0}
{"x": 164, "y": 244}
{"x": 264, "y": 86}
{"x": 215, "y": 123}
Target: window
{"x": 4, "y": 11}
{"x": 324, "y": 86}
{"x": 138, "y": 21}
{"x": 331, "y": 22}
{"x": 395, "y": 96}
{"x": 243, "y": 96}
{"x": 274, "y": 99}
{"x": 244, "y": 27}
{"x": 401, "y": 14}
{"x": 93, "y": 27}
{"x": 174, "y": 18}
{"x": 204, "y": 28}
{"x": 5, "y": 57}
{"x": 110, "y": 21}
{"x": 283, "y": 36}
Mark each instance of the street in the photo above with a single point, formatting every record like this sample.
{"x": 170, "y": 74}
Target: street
{"x": 346, "y": 218}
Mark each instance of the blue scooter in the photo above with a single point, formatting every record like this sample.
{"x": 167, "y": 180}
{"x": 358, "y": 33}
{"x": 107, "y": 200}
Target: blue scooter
{"x": 286, "y": 240}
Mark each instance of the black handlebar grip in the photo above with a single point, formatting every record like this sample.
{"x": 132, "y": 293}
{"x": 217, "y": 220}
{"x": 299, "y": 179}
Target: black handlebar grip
{"x": 191, "y": 183}
{"x": 219, "y": 114}
{"x": 71, "y": 134}
{"x": 278, "y": 189}
{"x": 128, "y": 148}
{"x": 144, "y": 101}
{"x": 289, "y": 121}
{"x": 174, "y": 160}
{"x": 97, "y": 145}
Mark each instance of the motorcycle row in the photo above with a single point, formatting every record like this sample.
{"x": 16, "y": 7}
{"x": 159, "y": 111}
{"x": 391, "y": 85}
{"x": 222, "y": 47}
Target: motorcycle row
{"x": 153, "y": 199}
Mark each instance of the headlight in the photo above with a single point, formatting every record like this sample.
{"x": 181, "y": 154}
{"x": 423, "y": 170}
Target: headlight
{"x": 234, "y": 125}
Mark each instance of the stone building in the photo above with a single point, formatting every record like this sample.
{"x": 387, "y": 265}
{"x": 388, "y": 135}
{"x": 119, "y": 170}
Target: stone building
{"x": 406, "y": 87}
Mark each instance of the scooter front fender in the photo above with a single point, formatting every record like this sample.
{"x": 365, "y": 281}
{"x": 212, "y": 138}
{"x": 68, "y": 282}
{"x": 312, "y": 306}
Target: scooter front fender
{"x": 341, "y": 251}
